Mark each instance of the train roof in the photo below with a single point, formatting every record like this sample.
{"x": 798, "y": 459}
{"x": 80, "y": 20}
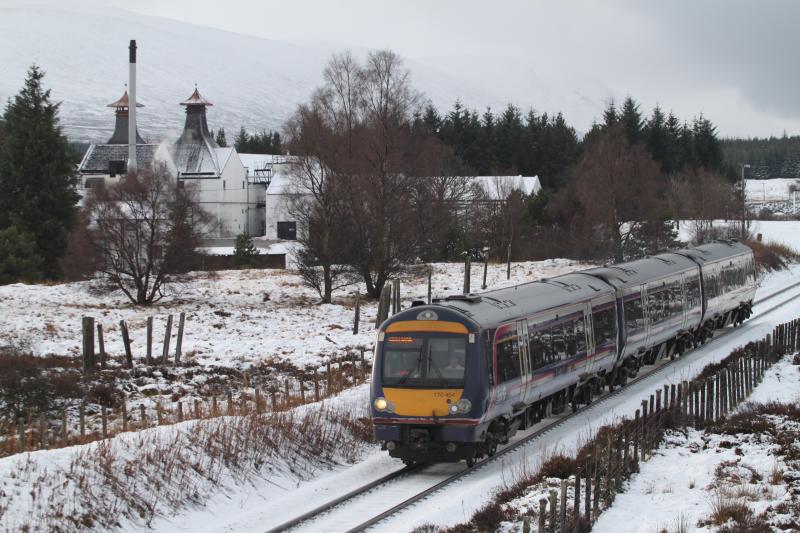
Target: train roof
{"x": 497, "y": 306}
{"x": 643, "y": 270}
{"x": 715, "y": 251}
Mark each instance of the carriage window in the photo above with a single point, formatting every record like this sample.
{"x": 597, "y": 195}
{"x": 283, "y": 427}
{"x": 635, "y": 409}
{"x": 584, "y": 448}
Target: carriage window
{"x": 634, "y": 317}
{"x": 547, "y": 346}
{"x": 559, "y": 344}
{"x": 569, "y": 338}
{"x": 536, "y": 349}
{"x": 580, "y": 336}
{"x": 693, "y": 293}
{"x": 508, "y": 359}
{"x": 604, "y": 330}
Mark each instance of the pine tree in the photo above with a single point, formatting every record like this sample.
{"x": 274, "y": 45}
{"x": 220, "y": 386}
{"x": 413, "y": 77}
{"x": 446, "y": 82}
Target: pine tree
{"x": 672, "y": 145}
{"x": 242, "y": 141}
{"x": 244, "y": 251}
{"x": 432, "y": 119}
{"x": 37, "y": 175}
{"x": 631, "y": 120}
{"x": 706, "y": 144}
{"x": 655, "y": 132}
{"x": 610, "y": 115}
{"x": 221, "y": 140}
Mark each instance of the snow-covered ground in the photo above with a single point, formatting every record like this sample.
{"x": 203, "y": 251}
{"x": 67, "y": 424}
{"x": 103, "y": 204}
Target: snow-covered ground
{"x": 774, "y": 231}
{"x": 233, "y": 318}
{"x": 682, "y": 483}
{"x": 239, "y": 318}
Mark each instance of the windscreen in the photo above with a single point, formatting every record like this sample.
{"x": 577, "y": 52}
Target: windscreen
{"x": 424, "y": 360}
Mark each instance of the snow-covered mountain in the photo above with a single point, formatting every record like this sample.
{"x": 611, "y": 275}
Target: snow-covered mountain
{"x": 255, "y": 82}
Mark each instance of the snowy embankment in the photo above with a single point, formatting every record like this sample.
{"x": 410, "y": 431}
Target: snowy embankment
{"x": 695, "y": 475}
{"x": 133, "y": 479}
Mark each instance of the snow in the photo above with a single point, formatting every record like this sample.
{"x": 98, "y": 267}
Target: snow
{"x": 762, "y": 191}
{"x": 289, "y": 325}
{"x": 233, "y": 318}
{"x": 680, "y": 481}
{"x": 498, "y": 187}
{"x": 775, "y": 231}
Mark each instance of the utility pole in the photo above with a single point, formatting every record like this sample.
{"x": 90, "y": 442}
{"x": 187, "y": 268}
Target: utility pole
{"x": 744, "y": 198}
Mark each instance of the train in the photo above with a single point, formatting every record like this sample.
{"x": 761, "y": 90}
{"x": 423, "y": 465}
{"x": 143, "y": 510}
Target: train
{"x": 457, "y": 377}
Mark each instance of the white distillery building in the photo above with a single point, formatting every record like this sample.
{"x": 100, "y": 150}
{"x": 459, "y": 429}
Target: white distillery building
{"x": 234, "y": 194}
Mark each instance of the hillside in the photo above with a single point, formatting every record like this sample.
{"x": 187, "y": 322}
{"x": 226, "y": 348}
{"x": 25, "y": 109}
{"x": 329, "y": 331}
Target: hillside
{"x": 252, "y": 81}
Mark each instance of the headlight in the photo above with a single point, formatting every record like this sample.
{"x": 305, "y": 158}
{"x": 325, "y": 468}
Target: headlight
{"x": 381, "y": 404}
{"x": 464, "y": 405}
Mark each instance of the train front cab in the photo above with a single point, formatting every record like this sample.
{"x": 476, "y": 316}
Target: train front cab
{"x": 428, "y": 383}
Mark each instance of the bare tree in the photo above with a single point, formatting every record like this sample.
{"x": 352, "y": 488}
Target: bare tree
{"x": 147, "y": 228}
{"x": 368, "y": 166}
{"x": 316, "y": 203}
{"x": 617, "y": 186}
{"x": 701, "y": 196}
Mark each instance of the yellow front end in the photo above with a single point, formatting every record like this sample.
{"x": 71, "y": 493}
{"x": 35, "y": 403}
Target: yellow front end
{"x": 422, "y": 402}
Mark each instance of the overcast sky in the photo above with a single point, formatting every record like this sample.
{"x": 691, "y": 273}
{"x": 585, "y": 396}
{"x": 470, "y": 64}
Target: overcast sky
{"x": 734, "y": 61}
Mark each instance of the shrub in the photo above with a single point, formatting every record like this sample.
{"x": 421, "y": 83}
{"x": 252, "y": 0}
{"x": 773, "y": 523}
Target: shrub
{"x": 245, "y": 251}
{"x": 19, "y": 260}
{"x": 772, "y": 256}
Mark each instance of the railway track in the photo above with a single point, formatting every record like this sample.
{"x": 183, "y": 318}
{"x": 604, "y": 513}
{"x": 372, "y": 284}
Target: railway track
{"x": 436, "y": 485}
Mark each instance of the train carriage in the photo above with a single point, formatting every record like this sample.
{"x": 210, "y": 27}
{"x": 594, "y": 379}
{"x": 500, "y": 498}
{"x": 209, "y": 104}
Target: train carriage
{"x": 455, "y": 378}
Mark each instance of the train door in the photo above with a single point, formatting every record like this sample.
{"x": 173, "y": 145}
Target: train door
{"x": 524, "y": 357}
{"x": 589, "y": 331}
{"x": 648, "y": 314}
{"x": 684, "y": 301}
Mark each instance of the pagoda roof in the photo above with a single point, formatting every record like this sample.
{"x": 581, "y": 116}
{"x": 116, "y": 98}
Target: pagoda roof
{"x": 196, "y": 99}
{"x": 123, "y": 102}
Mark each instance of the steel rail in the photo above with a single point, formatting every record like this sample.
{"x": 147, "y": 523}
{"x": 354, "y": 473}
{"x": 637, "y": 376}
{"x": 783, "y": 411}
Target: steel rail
{"x": 349, "y": 496}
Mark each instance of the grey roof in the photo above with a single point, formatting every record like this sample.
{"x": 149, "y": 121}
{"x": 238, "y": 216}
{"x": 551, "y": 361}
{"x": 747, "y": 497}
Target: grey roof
{"x": 715, "y": 251}
{"x": 643, "y": 270}
{"x": 98, "y": 155}
{"x": 196, "y": 159}
{"x": 497, "y": 306}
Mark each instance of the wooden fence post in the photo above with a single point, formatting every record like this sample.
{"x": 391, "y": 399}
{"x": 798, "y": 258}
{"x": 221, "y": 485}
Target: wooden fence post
{"x": 179, "y": 341}
{"x": 104, "y": 421}
{"x": 64, "y": 430}
{"x": 316, "y": 385}
{"x": 553, "y": 505}
{"x": 357, "y": 317}
{"x": 126, "y": 341}
{"x": 82, "y": 418}
{"x": 562, "y": 519}
{"x": 42, "y": 431}
{"x": 149, "y": 353}
{"x": 430, "y": 275}
{"x": 397, "y": 306}
{"x": 467, "y": 273}
{"x": 167, "y": 336}
{"x": 124, "y": 415}
{"x": 87, "y": 326}
{"x": 142, "y": 416}
{"x": 21, "y": 433}
{"x": 230, "y": 402}
{"x": 101, "y": 345}
{"x": 542, "y": 515}
{"x": 587, "y": 500}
